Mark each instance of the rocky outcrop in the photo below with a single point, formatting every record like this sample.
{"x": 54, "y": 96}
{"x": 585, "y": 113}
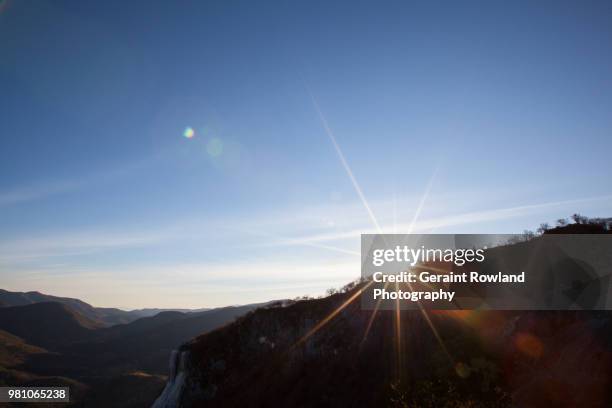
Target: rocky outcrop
{"x": 181, "y": 386}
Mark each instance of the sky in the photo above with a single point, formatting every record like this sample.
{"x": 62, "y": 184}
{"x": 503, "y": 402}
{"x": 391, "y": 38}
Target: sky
{"x": 208, "y": 153}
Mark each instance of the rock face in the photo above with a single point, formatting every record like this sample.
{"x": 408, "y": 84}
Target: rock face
{"x": 183, "y": 388}
{"x": 177, "y": 381}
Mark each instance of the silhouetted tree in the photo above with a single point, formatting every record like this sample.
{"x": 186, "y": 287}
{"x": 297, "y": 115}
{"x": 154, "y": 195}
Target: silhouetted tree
{"x": 527, "y": 235}
{"x": 543, "y": 228}
{"x": 580, "y": 219}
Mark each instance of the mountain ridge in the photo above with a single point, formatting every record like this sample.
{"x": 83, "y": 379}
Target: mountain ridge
{"x": 107, "y": 316}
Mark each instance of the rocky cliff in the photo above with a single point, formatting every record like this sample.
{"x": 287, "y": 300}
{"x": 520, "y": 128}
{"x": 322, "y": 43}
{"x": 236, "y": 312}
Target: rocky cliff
{"x": 329, "y": 352}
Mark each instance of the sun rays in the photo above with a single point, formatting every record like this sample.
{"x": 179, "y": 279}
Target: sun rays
{"x": 345, "y": 164}
{"x": 333, "y": 314}
{"x": 371, "y": 319}
{"x": 403, "y": 327}
{"x": 397, "y": 317}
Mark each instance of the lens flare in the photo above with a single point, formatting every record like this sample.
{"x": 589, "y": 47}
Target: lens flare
{"x": 529, "y": 345}
{"x": 214, "y": 147}
{"x": 189, "y": 132}
{"x": 462, "y": 370}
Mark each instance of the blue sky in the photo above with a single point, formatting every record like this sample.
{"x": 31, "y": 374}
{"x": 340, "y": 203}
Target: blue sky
{"x": 475, "y": 117}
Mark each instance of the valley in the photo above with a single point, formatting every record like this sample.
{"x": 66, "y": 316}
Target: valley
{"x": 52, "y": 342}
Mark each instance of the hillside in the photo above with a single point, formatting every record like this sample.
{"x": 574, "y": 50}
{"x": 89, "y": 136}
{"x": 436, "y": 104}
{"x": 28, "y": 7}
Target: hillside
{"x": 475, "y": 359}
{"x": 261, "y": 359}
{"x": 48, "y": 324}
{"x": 14, "y": 350}
{"x": 102, "y": 316}
{"x": 51, "y": 342}
{"x": 144, "y": 345}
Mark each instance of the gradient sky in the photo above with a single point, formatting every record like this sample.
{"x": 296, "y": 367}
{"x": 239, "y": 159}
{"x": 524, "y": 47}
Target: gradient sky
{"x": 451, "y": 117}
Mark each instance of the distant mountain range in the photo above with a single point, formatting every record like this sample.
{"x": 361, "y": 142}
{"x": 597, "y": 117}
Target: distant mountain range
{"x": 99, "y": 352}
{"x": 103, "y": 316}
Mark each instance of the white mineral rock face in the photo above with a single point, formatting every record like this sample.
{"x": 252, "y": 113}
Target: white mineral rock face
{"x": 171, "y": 396}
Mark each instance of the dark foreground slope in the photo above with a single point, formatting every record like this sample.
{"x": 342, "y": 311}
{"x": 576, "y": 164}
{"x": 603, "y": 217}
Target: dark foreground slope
{"x": 476, "y": 359}
{"x": 264, "y": 358}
